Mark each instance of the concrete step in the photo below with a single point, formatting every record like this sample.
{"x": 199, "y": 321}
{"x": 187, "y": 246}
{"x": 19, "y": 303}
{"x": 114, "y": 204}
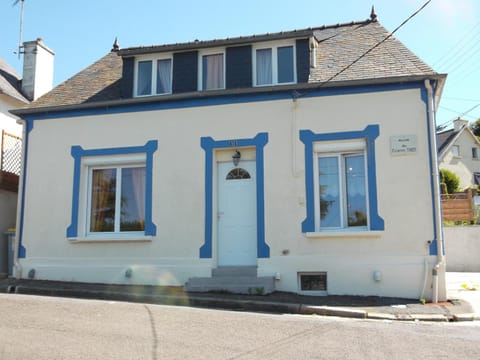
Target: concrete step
{"x": 231, "y": 271}
{"x": 234, "y": 284}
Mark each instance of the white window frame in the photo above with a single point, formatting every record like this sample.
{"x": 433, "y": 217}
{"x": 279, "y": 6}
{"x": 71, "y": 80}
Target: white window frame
{"x": 154, "y": 60}
{"x": 456, "y": 151}
{"x": 341, "y": 150}
{"x": 475, "y": 153}
{"x": 274, "y": 46}
{"x": 106, "y": 162}
{"x": 207, "y": 52}
{"x": 118, "y": 206}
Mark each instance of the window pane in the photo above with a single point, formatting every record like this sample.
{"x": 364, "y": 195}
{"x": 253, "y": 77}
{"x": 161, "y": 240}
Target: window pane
{"x": 212, "y": 72}
{"x": 356, "y": 194}
{"x": 144, "y": 78}
{"x": 164, "y": 76}
{"x": 285, "y": 64}
{"x": 102, "y": 210}
{"x": 132, "y": 217}
{"x": 264, "y": 66}
{"x": 329, "y": 192}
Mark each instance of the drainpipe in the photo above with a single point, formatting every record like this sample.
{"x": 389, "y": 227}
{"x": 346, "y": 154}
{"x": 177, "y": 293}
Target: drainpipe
{"x": 17, "y": 268}
{"x": 436, "y": 192}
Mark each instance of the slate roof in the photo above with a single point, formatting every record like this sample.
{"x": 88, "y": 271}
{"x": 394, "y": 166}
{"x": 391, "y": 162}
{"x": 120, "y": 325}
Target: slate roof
{"x": 338, "y": 47}
{"x": 10, "y": 82}
{"x": 445, "y": 138}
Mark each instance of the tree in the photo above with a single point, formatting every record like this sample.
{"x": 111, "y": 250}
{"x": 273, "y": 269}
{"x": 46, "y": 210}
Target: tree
{"x": 476, "y": 128}
{"x": 450, "y": 179}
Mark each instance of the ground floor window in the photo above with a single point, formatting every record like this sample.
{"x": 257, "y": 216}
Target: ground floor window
{"x": 112, "y": 192}
{"x": 117, "y": 199}
{"x": 340, "y": 179}
{"x": 341, "y": 192}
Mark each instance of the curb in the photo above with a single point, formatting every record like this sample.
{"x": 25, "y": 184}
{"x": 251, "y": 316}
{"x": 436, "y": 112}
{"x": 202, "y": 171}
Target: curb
{"x": 236, "y": 304}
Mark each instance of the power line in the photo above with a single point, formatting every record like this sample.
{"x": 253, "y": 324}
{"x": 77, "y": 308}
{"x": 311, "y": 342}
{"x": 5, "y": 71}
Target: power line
{"x": 377, "y": 44}
{"x": 459, "y": 99}
{"x": 445, "y": 59}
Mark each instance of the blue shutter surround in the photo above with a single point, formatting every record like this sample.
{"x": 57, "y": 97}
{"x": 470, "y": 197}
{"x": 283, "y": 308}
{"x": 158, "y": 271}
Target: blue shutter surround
{"x": 303, "y": 60}
{"x": 239, "y": 67}
{"x": 185, "y": 72}
{"x": 127, "y": 77}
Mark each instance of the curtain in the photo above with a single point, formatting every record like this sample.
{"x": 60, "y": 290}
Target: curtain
{"x": 102, "y": 208}
{"x": 264, "y": 66}
{"x": 212, "y": 75}
{"x": 132, "y": 216}
{"x": 164, "y": 76}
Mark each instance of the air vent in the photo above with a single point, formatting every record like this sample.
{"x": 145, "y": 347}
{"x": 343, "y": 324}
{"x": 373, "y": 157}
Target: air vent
{"x": 313, "y": 281}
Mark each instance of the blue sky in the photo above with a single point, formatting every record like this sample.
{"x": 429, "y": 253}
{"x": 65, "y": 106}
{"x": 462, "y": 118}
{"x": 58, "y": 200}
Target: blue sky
{"x": 446, "y": 34}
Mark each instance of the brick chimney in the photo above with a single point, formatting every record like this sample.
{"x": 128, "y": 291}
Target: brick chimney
{"x": 37, "y": 69}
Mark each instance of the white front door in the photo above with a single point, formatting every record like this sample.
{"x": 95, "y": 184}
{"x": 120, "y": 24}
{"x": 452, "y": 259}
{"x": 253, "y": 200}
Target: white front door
{"x": 237, "y": 214}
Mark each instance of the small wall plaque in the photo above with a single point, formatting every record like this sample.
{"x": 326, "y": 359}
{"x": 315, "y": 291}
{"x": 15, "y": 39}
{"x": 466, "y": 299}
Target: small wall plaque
{"x": 403, "y": 144}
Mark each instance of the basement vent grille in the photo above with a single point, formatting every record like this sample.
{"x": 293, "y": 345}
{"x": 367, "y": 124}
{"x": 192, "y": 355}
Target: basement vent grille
{"x": 313, "y": 281}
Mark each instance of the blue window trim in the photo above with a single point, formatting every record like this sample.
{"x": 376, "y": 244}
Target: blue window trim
{"x": 78, "y": 153}
{"x": 209, "y": 145}
{"x": 370, "y": 133}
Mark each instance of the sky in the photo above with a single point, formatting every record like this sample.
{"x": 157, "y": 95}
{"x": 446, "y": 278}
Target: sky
{"x": 445, "y": 34}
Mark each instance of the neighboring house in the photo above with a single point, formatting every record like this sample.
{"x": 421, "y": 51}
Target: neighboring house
{"x": 280, "y": 161}
{"x": 11, "y": 97}
{"x": 15, "y": 92}
{"x": 459, "y": 152}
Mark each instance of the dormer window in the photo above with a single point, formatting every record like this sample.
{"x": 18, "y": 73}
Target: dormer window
{"x": 274, "y": 64}
{"x": 153, "y": 77}
{"x": 212, "y": 70}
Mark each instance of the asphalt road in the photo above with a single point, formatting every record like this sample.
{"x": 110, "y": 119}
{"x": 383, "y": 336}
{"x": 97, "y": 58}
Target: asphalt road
{"x": 34, "y": 327}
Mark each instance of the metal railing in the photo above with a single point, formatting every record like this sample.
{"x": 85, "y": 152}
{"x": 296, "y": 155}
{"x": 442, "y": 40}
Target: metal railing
{"x": 11, "y": 153}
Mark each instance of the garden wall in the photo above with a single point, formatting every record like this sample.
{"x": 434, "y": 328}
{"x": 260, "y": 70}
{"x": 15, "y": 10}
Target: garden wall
{"x": 462, "y": 248}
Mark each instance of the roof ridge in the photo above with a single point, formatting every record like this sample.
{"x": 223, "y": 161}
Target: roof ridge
{"x": 237, "y": 39}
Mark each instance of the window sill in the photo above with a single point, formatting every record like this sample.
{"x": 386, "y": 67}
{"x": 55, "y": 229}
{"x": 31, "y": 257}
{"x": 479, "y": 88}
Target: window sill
{"x": 110, "y": 239}
{"x": 344, "y": 234}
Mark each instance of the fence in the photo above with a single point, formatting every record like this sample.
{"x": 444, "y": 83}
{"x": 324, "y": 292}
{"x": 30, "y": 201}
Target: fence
{"x": 11, "y": 153}
{"x": 458, "y": 206}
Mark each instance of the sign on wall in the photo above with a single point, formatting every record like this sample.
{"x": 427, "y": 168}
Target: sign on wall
{"x": 403, "y": 144}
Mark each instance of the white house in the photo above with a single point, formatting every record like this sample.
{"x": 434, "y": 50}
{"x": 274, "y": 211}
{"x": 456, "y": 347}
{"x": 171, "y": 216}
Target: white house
{"x": 15, "y": 92}
{"x": 297, "y": 161}
{"x": 459, "y": 152}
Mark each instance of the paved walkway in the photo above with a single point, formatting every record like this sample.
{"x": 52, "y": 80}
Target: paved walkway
{"x": 456, "y": 282}
{"x": 463, "y": 305}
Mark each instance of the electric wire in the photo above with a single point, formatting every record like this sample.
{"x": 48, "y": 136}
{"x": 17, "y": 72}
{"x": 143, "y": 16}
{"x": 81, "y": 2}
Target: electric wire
{"x": 377, "y": 44}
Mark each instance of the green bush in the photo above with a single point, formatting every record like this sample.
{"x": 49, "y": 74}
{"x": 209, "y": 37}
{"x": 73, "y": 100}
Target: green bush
{"x": 450, "y": 179}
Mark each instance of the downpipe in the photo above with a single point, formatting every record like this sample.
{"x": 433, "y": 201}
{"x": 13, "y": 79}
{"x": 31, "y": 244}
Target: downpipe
{"x": 436, "y": 190}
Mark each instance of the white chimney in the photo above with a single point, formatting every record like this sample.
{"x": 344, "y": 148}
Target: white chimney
{"x": 458, "y": 124}
{"x": 37, "y": 69}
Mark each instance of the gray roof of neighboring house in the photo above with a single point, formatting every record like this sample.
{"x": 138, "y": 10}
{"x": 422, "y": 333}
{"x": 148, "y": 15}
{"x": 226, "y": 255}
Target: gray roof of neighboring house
{"x": 10, "y": 82}
{"x": 448, "y": 137}
{"x": 444, "y": 139}
{"x": 338, "y": 47}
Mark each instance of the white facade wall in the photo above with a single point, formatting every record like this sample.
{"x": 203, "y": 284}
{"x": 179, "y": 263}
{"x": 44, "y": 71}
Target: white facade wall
{"x": 400, "y": 253}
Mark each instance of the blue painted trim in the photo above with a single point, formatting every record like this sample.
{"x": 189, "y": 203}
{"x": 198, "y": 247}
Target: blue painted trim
{"x": 168, "y": 104}
{"x": 209, "y": 145}
{"x": 78, "y": 153}
{"x": 22, "y": 251}
{"x": 370, "y": 133}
